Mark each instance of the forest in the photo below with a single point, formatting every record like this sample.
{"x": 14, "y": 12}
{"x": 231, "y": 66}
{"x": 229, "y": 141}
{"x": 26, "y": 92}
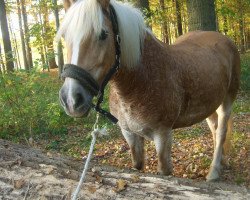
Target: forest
{"x": 29, "y": 27}
{"x": 31, "y": 62}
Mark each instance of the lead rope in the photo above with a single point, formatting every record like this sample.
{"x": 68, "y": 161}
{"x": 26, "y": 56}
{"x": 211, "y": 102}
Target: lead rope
{"x": 96, "y": 131}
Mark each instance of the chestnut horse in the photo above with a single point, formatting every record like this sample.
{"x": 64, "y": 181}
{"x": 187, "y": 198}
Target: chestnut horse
{"x": 158, "y": 87}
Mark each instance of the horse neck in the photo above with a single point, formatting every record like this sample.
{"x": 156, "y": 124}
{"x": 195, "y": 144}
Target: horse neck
{"x": 148, "y": 72}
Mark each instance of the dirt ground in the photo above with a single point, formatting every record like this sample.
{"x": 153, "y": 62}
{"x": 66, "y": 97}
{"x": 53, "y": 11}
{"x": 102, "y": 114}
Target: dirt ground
{"x": 28, "y": 173}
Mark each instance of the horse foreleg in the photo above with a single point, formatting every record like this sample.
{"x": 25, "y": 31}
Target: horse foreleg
{"x": 223, "y": 116}
{"x": 136, "y": 144}
{"x": 163, "y": 145}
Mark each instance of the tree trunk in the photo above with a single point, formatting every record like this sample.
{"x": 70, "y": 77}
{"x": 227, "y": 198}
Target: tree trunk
{"x": 165, "y": 36}
{"x": 41, "y": 39}
{"x": 15, "y": 47}
{"x": 25, "y": 62}
{"x": 27, "y": 35}
{"x": 241, "y": 26}
{"x": 40, "y": 36}
{"x": 178, "y": 17}
{"x": 1, "y": 61}
{"x": 6, "y": 37}
{"x": 49, "y": 42}
{"x": 59, "y": 45}
{"x": 201, "y": 15}
{"x": 143, "y": 5}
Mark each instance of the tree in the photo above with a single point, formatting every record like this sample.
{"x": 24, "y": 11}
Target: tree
{"x": 178, "y": 17}
{"x": 165, "y": 36}
{"x": 143, "y": 5}
{"x": 59, "y": 45}
{"x": 201, "y": 15}
{"x": 6, "y": 37}
{"x": 37, "y": 32}
{"x": 241, "y": 25}
{"x": 27, "y": 35}
{"x": 14, "y": 44}
{"x": 49, "y": 34}
{"x": 2, "y": 66}
{"x": 25, "y": 61}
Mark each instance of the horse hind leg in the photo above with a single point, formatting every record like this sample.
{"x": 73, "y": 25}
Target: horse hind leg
{"x": 223, "y": 113}
{"x": 163, "y": 145}
{"x": 136, "y": 145}
{"x": 212, "y": 122}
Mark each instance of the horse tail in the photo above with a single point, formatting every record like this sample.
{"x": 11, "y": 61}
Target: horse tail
{"x": 235, "y": 73}
{"x": 232, "y": 93}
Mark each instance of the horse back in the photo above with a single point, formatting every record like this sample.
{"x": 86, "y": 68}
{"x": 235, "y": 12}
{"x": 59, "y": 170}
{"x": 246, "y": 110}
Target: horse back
{"x": 212, "y": 51}
{"x": 209, "y": 66}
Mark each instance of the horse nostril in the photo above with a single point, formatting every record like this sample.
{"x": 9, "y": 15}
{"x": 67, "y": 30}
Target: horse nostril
{"x": 78, "y": 100}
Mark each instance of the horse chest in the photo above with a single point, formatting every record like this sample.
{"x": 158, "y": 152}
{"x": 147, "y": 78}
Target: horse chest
{"x": 129, "y": 120}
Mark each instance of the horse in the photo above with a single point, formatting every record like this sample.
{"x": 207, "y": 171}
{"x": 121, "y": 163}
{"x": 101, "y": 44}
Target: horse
{"x": 158, "y": 87}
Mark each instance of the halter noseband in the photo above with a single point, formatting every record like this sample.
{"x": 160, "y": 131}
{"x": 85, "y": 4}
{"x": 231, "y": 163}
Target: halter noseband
{"x": 86, "y": 80}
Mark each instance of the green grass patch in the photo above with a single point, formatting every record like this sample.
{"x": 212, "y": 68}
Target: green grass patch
{"x": 242, "y": 103}
{"x": 239, "y": 179}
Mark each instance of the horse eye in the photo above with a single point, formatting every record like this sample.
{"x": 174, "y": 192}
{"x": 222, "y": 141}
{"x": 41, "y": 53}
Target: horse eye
{"x": 103, "y": 35}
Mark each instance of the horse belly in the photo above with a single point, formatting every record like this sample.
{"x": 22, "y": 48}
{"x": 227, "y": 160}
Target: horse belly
{"x": 198, "y": 108}
{"x": 192, "y": 118}
{"x": 205, "y": 88}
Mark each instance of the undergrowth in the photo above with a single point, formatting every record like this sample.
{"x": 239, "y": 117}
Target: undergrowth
{"x": 245, "y": 72}
{"x": 29, "y": 107}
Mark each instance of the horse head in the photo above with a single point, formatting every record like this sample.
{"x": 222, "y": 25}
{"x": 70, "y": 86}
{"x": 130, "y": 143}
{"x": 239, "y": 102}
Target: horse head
{"x": 90, "y": 40}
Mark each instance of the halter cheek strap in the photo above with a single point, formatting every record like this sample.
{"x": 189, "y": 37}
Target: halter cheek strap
{"x": 88, "y": 82}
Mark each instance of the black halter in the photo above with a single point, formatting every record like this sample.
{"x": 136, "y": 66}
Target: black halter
{"x": 88, "y": 81}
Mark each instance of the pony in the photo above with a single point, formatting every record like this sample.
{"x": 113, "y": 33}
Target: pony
{"x": 158, "y": 87}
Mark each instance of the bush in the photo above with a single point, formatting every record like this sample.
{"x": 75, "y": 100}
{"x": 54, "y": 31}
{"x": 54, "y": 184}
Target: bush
{"x": 245, "y": 71}
{"x": 29, "y": 104}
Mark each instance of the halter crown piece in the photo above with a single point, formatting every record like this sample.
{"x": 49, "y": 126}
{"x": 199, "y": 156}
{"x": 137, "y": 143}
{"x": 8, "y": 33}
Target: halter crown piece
{"x": 86, "y": 80}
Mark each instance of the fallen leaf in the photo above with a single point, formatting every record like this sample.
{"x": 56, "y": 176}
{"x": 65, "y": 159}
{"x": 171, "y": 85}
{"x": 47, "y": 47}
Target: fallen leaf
{"x": 120, "y": 185}
{"x": 49, "y": 155}
{"x": 98, "y": 179}
{"x": 92, "y": 189}
{"x": 135, "y": 178}
{"x": 18, "y": 184}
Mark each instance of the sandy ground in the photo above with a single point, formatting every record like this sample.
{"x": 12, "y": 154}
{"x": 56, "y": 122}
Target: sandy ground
{"x": 28, "y": 173}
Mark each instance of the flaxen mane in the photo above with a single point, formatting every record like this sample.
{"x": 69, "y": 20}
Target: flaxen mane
{"x": 85, "y": 17}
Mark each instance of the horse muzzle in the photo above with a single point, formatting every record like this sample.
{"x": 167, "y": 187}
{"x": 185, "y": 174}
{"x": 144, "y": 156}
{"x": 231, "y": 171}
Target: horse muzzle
{"x": 74, "y": 99}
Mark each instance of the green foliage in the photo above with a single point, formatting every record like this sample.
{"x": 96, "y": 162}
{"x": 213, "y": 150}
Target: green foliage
{"x": 29, "y": 105}
{"x": 245, "y": 71}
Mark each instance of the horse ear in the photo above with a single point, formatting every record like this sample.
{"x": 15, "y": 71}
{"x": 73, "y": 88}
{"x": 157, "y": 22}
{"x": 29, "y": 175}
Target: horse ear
{"x": 68, "y": 3}
{"x": 104, "y": 3}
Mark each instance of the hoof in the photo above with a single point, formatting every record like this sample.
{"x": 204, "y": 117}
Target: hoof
{"x": 213, "y": 175}
{"x": 165, "y": 172}
{"x": 212, "y": 179}
{"x": 138, "y": 165}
